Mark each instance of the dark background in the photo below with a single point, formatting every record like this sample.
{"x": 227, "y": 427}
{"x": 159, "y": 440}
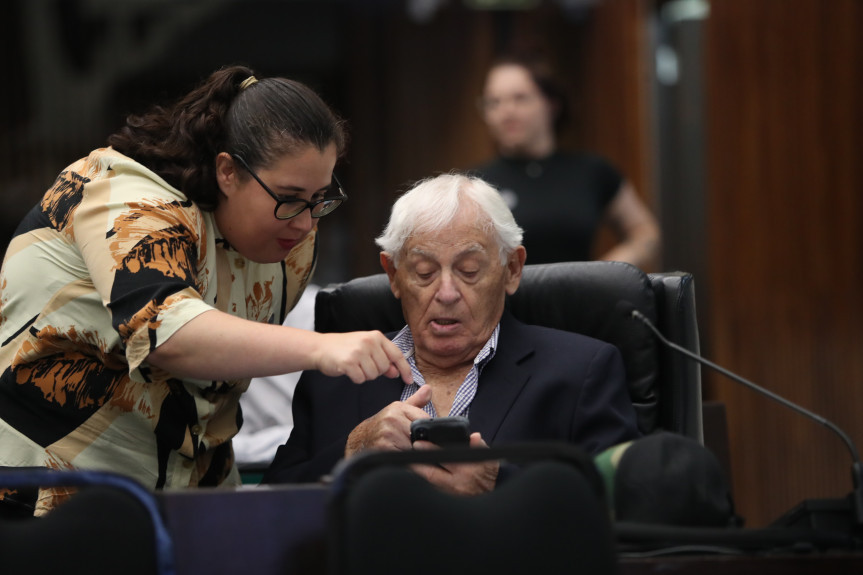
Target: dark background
{"x": 738, "y": 120}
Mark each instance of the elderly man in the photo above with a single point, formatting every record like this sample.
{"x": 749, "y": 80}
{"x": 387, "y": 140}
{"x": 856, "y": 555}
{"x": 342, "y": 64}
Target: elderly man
{"x": 452, "y": 251}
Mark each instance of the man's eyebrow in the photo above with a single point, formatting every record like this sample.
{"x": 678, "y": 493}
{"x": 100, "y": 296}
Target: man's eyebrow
{"x": 421, "y": 253}
{"x": 470, "y": 249}
{"x": 473, "y": 248}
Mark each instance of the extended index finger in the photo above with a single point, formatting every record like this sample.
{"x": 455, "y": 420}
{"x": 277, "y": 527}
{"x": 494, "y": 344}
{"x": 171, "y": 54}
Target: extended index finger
{"x": 398, "y": 361}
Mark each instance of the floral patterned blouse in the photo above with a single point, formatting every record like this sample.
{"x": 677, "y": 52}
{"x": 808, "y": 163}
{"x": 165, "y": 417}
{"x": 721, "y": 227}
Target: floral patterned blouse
{"x": 111, "y": 263}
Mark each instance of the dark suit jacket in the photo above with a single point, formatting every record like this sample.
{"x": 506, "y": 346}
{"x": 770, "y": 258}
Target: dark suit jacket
{"x": 542, "y": 385}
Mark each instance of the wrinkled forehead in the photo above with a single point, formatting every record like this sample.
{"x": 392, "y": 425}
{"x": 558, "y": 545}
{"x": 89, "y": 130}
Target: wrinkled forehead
{"x": 469, "y": 225}
{"x": 437, "y": 251}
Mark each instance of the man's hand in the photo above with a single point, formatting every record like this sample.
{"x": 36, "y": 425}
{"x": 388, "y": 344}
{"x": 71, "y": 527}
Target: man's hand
{"x": 390, "y": 428}
{"x": 460, "y": 478}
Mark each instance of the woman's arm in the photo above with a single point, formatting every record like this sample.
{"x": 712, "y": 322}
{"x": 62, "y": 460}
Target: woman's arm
{"x": 215, "y": 345}
{"x": 637, "y": 228}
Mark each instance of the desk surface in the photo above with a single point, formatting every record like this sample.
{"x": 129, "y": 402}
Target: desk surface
{"x": 808, "y": 564}
{"x": 282, "y": 529}
{"x": 274, "y": 529}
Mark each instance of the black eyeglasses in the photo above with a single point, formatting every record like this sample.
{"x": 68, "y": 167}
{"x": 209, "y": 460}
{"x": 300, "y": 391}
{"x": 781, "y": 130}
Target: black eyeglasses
{"x": 292, "y": 207}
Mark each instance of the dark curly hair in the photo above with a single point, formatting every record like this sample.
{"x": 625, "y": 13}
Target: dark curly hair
{"x": 260, "y": 122}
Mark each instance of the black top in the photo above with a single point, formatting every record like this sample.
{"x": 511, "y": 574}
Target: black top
{"x": 559, "y": 201}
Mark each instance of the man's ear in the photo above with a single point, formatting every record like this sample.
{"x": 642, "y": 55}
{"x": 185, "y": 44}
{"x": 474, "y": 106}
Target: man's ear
{"x": 389, "y": 266}
{"x": 226, "y": 172}
{"x": 514, "y": 267}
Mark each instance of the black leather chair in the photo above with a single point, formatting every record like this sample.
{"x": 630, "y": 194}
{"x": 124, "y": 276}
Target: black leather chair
{"x": 592, "y": 298}
{"x": 112, "y": 524}
{"x": 550, "y": 518}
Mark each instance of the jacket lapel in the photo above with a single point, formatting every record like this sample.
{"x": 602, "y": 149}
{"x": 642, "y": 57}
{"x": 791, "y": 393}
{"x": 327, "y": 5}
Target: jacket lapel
{"x": 377, "y": 394}
{"x": 502, "y": 379}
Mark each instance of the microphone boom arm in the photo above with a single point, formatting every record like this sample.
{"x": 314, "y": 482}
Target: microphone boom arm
{"x": 857, "y": 466}
{"x": 826, "y": 423}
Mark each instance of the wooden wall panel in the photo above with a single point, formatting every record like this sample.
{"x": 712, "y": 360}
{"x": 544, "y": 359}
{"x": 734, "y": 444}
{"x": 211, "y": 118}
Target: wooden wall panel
{"x": 412, "y": 107}
{"x": 616, "y": 104}
{"x": 414, "y": 87}
{"x": 784, "y": 87}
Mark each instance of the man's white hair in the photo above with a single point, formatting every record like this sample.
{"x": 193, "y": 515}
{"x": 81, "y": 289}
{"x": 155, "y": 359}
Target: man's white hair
{"x": 431, "y": 204}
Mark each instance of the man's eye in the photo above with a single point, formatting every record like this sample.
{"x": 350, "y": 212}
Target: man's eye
{"x": 424, "y": 274}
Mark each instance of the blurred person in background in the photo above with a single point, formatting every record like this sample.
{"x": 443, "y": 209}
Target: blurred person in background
{"x": 560, "y": 199}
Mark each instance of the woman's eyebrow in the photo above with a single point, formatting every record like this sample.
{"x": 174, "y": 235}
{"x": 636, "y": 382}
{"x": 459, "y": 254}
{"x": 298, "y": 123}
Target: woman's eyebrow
{"x": 300, "y": 189}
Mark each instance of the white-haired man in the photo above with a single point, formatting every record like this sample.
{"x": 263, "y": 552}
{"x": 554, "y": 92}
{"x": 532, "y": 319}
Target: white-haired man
{"x": 453, "y": 252}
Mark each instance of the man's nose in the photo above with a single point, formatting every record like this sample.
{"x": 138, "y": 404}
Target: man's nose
{"x": 447, "y": 291}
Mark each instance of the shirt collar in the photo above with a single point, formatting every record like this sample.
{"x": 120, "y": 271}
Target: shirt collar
{"x": 404, "y": 340}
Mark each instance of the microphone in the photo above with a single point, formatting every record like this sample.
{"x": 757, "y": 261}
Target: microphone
{"x": 856, "y": 496}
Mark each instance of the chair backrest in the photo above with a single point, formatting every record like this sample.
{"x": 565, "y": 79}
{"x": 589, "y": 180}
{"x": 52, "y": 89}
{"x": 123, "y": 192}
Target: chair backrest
{"x": 551, "y": 517}
{"x": 591, "y": 298}
{"x": 111, "y": 524}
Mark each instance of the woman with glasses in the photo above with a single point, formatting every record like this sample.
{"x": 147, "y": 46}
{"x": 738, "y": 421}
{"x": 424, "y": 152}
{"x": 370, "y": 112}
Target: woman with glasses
{"x": 150, "y": 283}
{"x": 561, "y": 199}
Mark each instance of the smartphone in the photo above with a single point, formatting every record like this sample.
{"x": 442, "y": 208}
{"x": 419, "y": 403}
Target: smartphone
{"x": 441, "y": 430}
